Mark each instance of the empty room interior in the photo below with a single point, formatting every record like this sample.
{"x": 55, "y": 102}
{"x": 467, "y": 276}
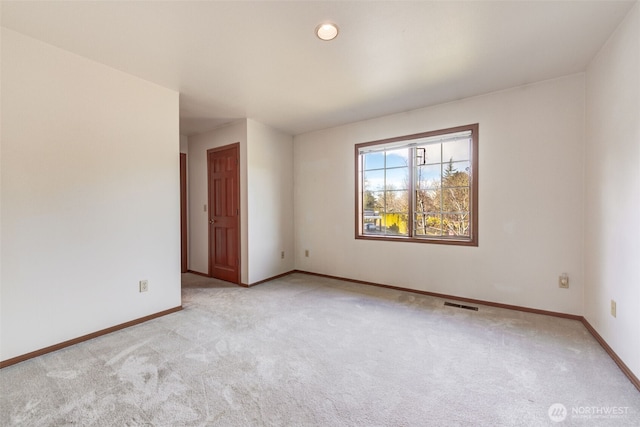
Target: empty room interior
{"x": 320, "y": 213}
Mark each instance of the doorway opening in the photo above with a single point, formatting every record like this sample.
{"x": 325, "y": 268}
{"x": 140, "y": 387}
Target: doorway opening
{"x": 183, "y": 213}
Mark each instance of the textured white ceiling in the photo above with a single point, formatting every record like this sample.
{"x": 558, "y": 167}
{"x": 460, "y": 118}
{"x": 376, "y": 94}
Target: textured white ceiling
{"x": 262, "y": 60}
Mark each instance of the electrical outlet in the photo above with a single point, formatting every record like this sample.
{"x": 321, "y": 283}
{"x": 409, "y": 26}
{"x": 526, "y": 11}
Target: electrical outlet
{"x": 563, "y": 280}
{"x": 613, "y": 308}
{"x": 282, "y": 255}
{"x": 144, "y": 285}
{"x": 306, "y": 253}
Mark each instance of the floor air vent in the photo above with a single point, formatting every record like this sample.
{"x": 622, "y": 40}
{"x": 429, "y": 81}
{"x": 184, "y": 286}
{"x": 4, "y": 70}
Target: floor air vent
{"x": 466, "y": 307}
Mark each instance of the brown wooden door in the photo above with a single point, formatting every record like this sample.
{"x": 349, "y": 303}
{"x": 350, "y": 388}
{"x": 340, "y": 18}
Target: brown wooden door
{"x": 224, "y": 212}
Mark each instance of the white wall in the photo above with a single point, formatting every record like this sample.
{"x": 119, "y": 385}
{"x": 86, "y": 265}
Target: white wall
{"x": 184, "y": 144}
{"x": 90, "y": 196}
{"x": 198, "y": 196}
{"x": 612, "y": 189}
{"x": 530, "y": 201}
{"x": 270, "y": 193}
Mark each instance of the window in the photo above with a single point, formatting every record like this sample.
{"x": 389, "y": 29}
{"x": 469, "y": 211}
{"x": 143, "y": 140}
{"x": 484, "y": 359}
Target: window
{"x": 419, "y": 188}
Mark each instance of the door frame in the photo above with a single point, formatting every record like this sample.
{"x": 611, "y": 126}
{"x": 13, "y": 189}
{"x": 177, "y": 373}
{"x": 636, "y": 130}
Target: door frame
{"x": 184, "y": 266}
{"x": 209, "y": 208}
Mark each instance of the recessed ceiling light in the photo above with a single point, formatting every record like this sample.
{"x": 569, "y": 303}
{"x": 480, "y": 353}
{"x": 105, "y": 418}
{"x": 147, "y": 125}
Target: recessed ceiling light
{"x": 327, "y": 31}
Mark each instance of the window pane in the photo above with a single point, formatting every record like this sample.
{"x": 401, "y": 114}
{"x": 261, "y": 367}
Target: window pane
{"x": 456, "y": 150}
{"x": 456, "y": 224}
{"x": 428, "y": 224}
{"x": 371, "y": 218}
{"x": 456, "y": 174}
{"x": 428, "y": 177}
{"x": 373, "y": 180}
{"x": 396, "y": 201}
{"x": 372, "y": 201}
{"x": 431, "y": 152}
{"x": 455, "y": 199}
{"x": 397, "y": 179}
{"x": 372, "y": 227}
{"x": 396, "y": 220}
{"x": 374, "y": 161}
{"x": 427, "y": 201}
{"x": 397, "y": 158}
{"x": 396, "y": 224}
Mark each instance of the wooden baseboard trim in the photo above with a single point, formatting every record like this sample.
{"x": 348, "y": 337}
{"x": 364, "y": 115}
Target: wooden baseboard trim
{"x": 457, "y": 298}
{"x": 55, "y": 347}
{"x": 198, "y": 273}
{"x": 269, "y": 279}
{"x": 623, "y": 367}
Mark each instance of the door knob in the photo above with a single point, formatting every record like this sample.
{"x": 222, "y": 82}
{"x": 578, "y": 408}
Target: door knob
{"x": 211, "y": 221}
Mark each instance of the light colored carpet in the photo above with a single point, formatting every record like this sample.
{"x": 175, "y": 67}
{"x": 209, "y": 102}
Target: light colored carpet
{"x": 310, "y": 351}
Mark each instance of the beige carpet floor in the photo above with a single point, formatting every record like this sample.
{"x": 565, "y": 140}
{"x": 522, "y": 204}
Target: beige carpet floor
{"x": 310, "y": 351}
